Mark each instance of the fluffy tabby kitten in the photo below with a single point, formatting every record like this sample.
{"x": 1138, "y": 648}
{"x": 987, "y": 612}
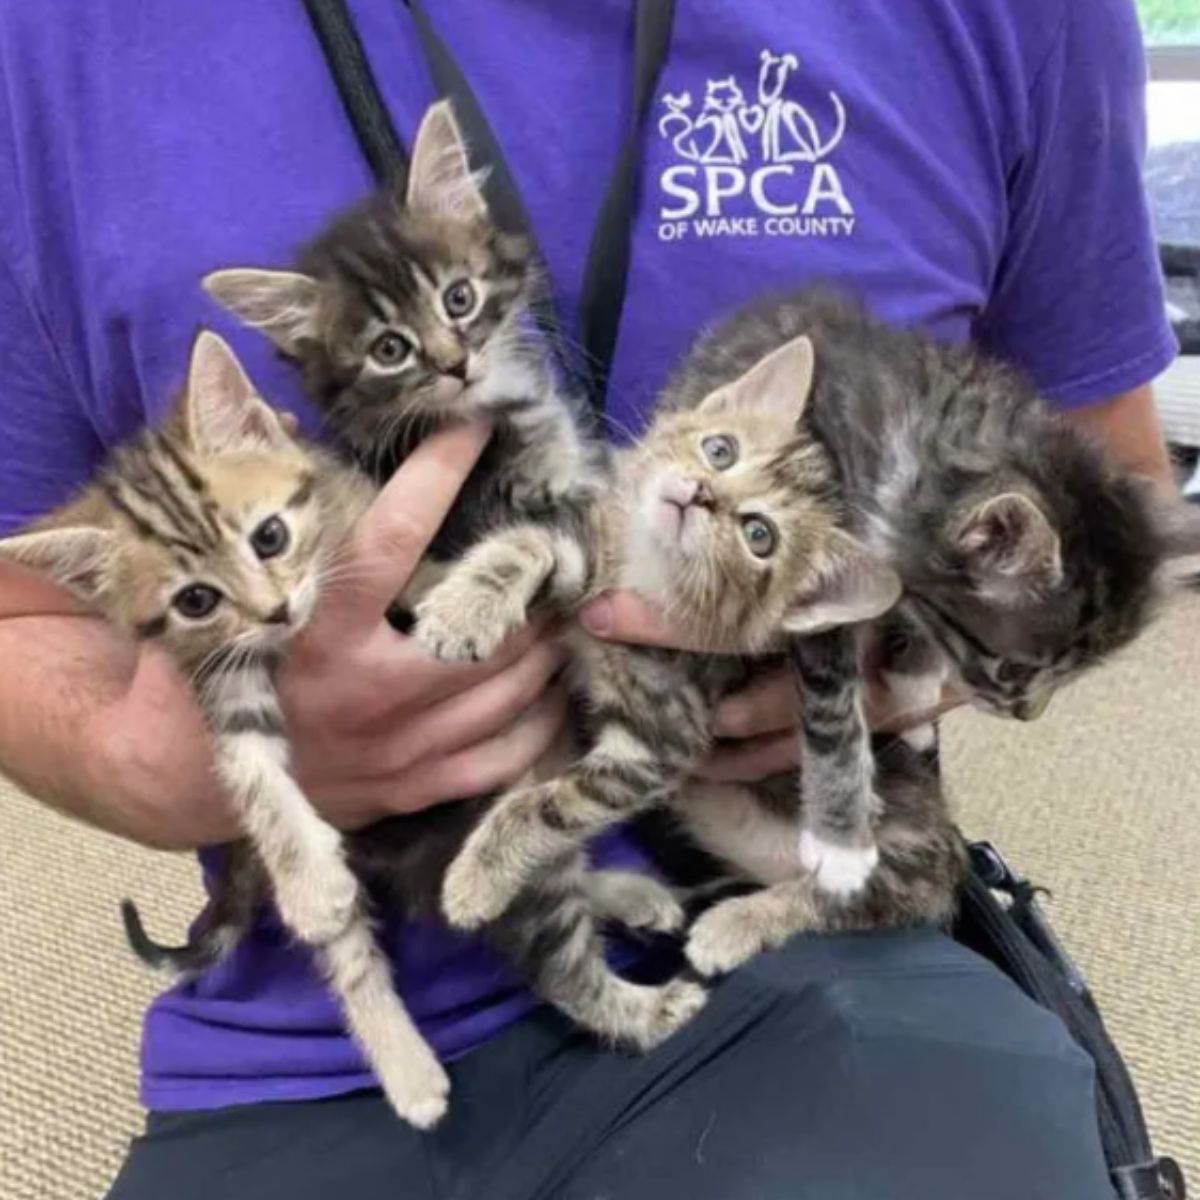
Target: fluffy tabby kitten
{"x": 412, "y": 310}
{"x": 726, "y": 515}
{"x": 210, "y": 536}
{"x": 1025, "y": 555}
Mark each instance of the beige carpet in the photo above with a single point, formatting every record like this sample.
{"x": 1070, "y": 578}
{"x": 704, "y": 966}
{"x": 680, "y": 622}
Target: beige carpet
{"x": 1095, "y": 801}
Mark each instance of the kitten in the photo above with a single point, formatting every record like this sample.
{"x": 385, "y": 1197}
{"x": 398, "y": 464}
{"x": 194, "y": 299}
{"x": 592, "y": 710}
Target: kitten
{"x": 1026, "y": 556}
{"x": 210, "y": 536}
{"x": 726, "y": 515}
{"x": 413, "y": 311}
{"x": 408, "y": 313}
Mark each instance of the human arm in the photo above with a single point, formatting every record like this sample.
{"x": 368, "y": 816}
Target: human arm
{"x": 107, "y": 732}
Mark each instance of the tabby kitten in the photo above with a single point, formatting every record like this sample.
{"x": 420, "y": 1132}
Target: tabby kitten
{"x": 1026, "y": 556}
{"x": 726, "y": 516}
{"x": 210, "y": 536}
{"x": 411, "y": 311}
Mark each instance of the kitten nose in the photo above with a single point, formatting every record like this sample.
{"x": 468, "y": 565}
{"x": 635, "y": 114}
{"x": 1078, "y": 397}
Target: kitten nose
{"x": 278, "y": 616}
{"x": 703, "y": 496}
{"x": 457, "y": 369}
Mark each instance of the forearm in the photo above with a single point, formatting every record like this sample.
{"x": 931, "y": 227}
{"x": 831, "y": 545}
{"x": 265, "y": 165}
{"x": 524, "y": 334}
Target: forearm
{"x": 1129, "y": 427}
{"x": 90, "y": 730}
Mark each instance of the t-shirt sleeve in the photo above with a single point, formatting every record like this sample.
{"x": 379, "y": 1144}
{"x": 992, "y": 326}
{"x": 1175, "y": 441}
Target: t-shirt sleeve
{"x": 1077, "y": 300}
{"x": 48, "y": 445}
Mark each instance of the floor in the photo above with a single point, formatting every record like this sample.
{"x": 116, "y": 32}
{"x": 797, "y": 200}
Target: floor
{"x": 1096, "y": 801}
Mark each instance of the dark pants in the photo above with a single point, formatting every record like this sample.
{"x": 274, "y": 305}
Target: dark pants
{"x": 877, "y": 1067}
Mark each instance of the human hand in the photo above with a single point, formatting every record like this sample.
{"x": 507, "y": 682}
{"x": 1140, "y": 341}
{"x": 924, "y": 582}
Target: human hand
{"x": 380, "y": 727}
{"x": 758, "y": 727}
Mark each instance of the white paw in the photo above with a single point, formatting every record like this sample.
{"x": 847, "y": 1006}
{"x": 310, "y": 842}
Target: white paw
{"x": 457, "y": 622}
{"x": 839, "y": 870}
{"x": 726, "y": 936}
{"x": 419, "y": 1091}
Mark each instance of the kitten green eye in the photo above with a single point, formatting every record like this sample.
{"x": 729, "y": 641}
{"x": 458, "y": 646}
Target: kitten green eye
{"x": 390, "y": 349}
{"x": 196, "y": 601}
{"x": 760, "y": 536}
{"x": 721, "y": 451}
{"x": 459, "y": 298}
{"x": 271, "y": 538}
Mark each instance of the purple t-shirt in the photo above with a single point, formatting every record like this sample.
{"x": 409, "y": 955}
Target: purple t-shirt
{"x": 973, "y": 169}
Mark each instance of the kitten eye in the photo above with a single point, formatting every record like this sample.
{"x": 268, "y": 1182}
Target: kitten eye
{"x": 196, "y": 601}
{"x": 459, "y": 298}
{"x": 390, "y": 349}
{"x": 271, "y": 538}
{"x": 760, "y": 536}
{"x": 721, "y": 451}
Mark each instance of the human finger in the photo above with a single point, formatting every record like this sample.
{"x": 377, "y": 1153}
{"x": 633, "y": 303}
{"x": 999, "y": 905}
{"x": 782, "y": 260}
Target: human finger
{"x": 768, "y": 705}
{"x": 752, "y": 759}
{"x": 396, "y": 530}
{"x": 491, "y": 765}
{"x": 479, "y": 712}
{"x": 624, "y": 616}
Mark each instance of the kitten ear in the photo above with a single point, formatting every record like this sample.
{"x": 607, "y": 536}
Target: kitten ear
{"x": 850, "y": 585}
{"x": 781, "y": 382}
{"x": 281, "y": 304}
{"x": 1009, "y": 545}
{"x": 221, "y": 409}
{"x": 73, "y": 556}
{"x": 439, "y": 175}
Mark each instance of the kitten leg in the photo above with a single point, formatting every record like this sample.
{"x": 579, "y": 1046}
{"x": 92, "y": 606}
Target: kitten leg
{"x": 634, "y": 900}
{"x": 550, "y": 933}
{"x": 315, "y": 890}
{"x": 837, "y": 772}
{"x": 652, "y": 729}
{"x": 487, "y": 595}
{"x": 321, "y": 902}
{"x": 922, "y": 861}
{"x": 360, "y": 976}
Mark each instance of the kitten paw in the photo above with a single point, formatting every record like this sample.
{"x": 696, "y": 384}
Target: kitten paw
{"x": 838, "y": 870}
{"x": 726, "y": 936}
{"x": 319, "y": 899}
{"x": 677, "y": 1003}
{"x": 461, "y": 620}
{"x": 636, "y": 901}
{"x": 473, "y": 895}
{"x": 419, "y": 1090}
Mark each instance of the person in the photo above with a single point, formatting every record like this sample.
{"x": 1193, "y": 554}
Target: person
{"x": 972, "y": 170}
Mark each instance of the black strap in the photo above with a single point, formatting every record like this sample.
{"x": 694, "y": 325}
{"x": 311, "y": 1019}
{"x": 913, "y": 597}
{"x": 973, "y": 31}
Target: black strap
{"x": 357, "y": 88}
{"x": 607, "y": 271}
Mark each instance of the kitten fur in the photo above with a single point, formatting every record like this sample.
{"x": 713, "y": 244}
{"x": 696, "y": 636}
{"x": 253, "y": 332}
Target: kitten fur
{"x": 210, "y": 536}
{"x": 726, "y": 516}
{"x": 375, "y": 320}
{"x": 386, "y": 271}
{"x": 1025, "y": 554}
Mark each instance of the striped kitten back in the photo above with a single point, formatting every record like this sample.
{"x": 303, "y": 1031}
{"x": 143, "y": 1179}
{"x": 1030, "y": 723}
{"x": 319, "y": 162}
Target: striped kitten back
{"x": 211, "y": 536}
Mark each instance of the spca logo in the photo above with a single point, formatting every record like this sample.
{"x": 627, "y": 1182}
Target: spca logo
{"x": 750, "y": 169}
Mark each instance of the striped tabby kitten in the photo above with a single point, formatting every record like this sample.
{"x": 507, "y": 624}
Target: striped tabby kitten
{"x": 1025, "y": 555}
{"x": 210, "y": 536}
{"x": 411, "y": 311}
{"x": 725, "y": 514}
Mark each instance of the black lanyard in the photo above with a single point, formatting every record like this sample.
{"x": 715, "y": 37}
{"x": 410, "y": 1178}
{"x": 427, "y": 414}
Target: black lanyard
{"x": 607, "y": 268}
